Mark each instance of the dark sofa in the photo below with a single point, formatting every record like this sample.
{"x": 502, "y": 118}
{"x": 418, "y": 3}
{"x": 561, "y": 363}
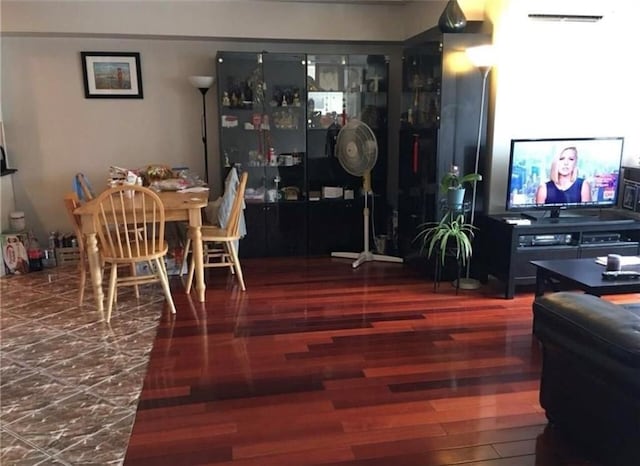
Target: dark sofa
{"x": 590, "y": 382}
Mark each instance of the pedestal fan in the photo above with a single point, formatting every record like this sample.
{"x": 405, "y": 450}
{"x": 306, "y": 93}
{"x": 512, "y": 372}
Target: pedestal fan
{"x": 357, "y": 152}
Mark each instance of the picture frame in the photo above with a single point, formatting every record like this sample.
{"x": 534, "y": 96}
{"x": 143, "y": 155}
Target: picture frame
{"x": 112, "y": 75}
{"x": 328, "y": 78}
{"x": 629, "y": 196}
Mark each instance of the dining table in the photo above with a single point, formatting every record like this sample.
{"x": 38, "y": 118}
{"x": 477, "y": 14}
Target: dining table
{"x": 178, "y": 207}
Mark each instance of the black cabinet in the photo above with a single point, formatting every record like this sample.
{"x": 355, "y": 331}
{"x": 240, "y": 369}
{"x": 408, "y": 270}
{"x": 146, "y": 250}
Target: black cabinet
{"x": 505, "y": 250}
{"x": 280, "y": 115}
{"x": 344, "y": 233}
{"x": 440, "y": 111}
{"x": 262, "y": 104}
{"x": 274, "y": 229}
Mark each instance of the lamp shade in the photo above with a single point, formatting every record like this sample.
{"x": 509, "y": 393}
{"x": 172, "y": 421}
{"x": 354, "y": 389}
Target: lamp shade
{"x": 201, "y": 82}
{"x": 482, "y": 56}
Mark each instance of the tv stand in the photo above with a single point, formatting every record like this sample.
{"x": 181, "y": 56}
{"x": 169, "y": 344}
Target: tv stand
{"x": 505, "y": 250}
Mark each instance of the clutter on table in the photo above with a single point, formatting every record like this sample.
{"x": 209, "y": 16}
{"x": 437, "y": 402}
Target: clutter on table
{"x": 157, "y": 177}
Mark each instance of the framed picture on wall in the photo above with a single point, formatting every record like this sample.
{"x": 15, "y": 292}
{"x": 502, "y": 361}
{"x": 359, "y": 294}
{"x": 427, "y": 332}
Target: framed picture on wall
{"x": 111, "y": 75}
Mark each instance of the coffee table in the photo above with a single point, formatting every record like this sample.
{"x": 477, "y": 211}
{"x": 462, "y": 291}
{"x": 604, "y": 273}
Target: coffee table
{"x": 583, "y": 274}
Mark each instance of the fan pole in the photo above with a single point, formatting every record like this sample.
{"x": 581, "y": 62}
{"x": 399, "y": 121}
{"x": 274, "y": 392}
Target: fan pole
{"x": 366, "y": 187}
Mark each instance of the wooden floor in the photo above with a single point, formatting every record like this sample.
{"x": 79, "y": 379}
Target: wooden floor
{"x": 317, "y": 363}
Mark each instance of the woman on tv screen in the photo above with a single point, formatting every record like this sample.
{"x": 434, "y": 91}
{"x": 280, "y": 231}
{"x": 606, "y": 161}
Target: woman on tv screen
{"x": 564, "y": 185}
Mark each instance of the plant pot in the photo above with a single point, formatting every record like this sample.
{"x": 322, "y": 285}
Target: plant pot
{"x": 455, "y": 199}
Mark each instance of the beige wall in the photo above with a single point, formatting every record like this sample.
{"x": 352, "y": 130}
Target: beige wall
{"x": 55, "y": 132}
{"x": 554, "y": 79}
{"x": 560, "y": 79}
{"x": 340, "y": 20}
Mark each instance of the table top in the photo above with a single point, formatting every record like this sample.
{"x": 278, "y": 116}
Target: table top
{"x": 172, "y": 200}
{"x": 588, "y": 274}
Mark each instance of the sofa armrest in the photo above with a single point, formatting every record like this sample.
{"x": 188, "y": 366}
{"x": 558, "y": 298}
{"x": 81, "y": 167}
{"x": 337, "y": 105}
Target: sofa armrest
{"x": 570, "y": 319}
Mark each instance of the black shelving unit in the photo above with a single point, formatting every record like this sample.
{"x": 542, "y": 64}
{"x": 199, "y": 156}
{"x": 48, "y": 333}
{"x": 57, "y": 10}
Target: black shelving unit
{"x": 440, "y": 105}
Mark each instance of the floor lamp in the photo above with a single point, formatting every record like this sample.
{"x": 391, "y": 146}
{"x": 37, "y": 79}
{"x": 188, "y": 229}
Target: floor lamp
{"x": 482, "y": 57}
{"x": 203, "y": 83}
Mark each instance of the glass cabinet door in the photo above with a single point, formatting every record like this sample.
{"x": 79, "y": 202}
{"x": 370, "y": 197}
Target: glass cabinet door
{"x": 419, "y": 126}
{"x": 262, "y": 122}
{"x": 284, "y": 131}
{"x": 341, "y": 88}
{"x": 263, "y": 131}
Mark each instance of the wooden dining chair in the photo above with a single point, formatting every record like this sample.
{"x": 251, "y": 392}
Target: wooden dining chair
{"x": 213, "y": 217}
{"x": 130, "y": 222}
{"x": 224, "y": 240}
{"x": 71, "y": 201}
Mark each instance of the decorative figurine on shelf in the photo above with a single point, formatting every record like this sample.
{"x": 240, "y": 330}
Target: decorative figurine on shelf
{"x": 258, "y": 95}
{"x": 296, "y": 98}
{"x": 225, "y": 99}
{"x": 284, "y": 100}
{"x": 234, "y": 99}
{"x": 265, "y": 123}
{"x": 247, "y": 95}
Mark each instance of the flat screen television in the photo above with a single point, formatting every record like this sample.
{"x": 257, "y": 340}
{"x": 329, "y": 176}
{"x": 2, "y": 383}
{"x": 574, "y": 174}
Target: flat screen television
{"x": 563, "y": 174}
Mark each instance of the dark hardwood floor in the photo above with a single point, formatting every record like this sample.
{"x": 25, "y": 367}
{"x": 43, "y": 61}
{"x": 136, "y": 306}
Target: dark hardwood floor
{"x": 317, "y": 363}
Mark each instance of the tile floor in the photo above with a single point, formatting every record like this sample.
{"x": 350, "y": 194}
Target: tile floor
{"x": 69, "y": 382}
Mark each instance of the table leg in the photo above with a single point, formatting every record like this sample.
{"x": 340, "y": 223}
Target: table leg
{"x": 198, "y": 260}
{"x": 95, "y": 270}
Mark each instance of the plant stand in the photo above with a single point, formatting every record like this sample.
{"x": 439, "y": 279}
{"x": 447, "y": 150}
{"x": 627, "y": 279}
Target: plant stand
{"x": 437, "y": 277}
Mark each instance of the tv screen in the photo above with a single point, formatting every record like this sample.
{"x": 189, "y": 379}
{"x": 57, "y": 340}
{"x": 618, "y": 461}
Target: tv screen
{"x": 559, "y": 174}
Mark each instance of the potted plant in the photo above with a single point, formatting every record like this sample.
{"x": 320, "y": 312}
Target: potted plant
{"x": 452, "y": 236}
{"x": 453, "y": 185}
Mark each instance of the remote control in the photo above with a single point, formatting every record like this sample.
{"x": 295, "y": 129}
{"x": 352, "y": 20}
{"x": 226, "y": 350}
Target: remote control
{"x": 620, "y": 274}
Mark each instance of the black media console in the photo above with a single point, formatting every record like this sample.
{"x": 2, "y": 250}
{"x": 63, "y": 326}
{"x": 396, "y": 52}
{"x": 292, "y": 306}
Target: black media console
{"x": 504, "y": 250}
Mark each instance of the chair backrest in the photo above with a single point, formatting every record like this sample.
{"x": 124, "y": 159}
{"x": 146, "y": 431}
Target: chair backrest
{"x": 71, "y": 201}
{"x": 130, "y": 222}
{"x": 83, "y": 187}
{"x": 238, "y": 204}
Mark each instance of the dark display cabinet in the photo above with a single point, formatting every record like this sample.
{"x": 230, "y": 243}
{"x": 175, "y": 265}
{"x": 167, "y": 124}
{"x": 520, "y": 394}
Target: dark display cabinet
{"x": 263, "y": 131}
{"x": 440, "y": 106}
{"x": 280, "y": 115}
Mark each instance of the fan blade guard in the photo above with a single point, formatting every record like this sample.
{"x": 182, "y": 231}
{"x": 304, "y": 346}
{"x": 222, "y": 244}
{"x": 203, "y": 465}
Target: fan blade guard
{"x": 357, "y": 148}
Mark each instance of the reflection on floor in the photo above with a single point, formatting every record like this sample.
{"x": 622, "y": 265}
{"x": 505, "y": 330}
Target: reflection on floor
{"x": 70, "y": 383}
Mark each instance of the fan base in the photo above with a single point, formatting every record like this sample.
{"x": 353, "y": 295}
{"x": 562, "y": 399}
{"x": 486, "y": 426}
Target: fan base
{"x": 366, "y": 256}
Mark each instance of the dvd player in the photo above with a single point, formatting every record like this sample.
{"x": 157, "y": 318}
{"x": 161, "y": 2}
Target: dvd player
{"x": 545, "y": 240}
{"x": 604, "y": 237}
